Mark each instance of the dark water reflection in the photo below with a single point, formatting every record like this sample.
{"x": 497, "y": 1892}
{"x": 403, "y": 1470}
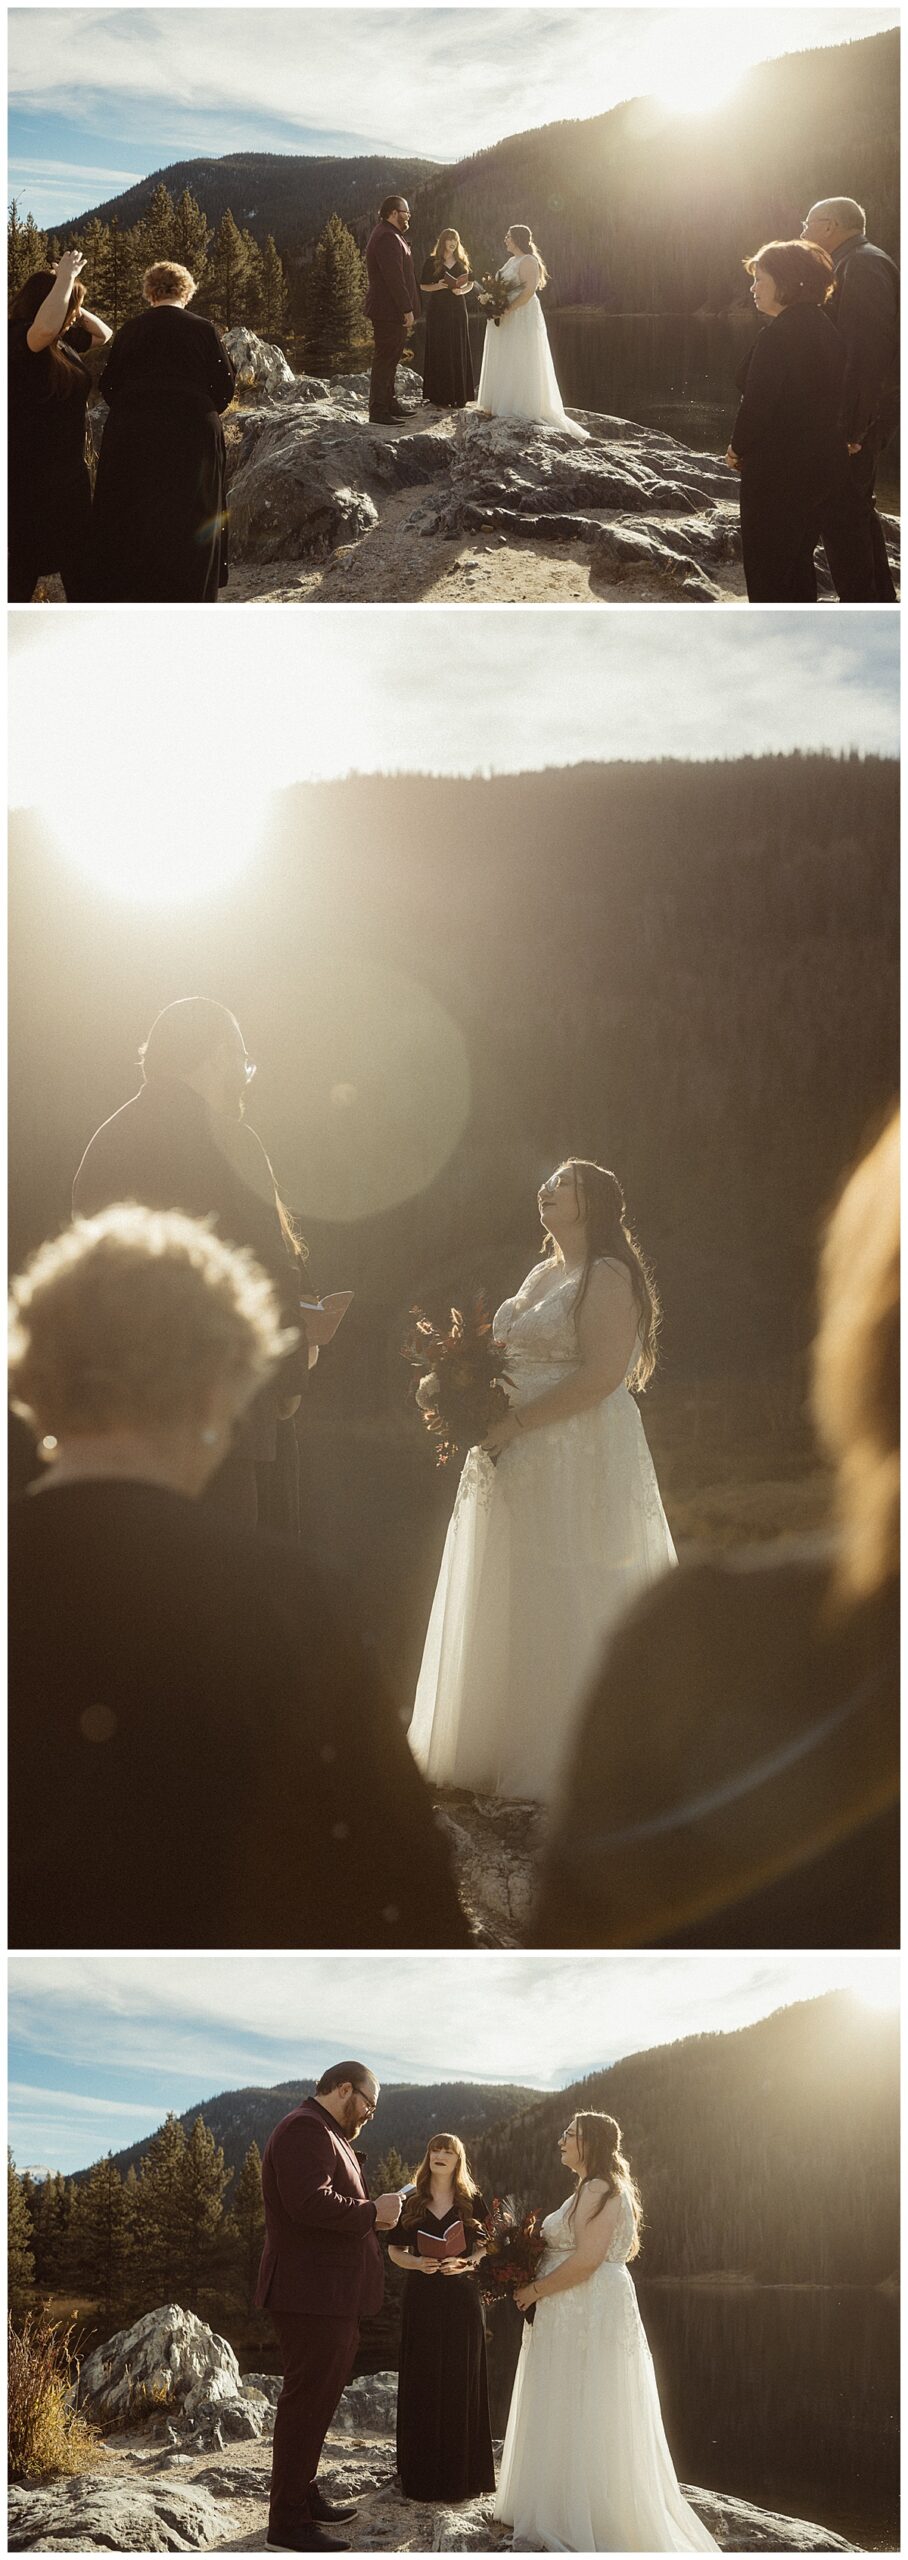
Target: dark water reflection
{"x": 673, "y": 371}
{"x": 787, "y": 2398}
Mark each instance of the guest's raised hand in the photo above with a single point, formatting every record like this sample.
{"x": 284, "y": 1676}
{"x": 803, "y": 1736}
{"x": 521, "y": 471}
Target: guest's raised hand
{"x": 69, "y": 266}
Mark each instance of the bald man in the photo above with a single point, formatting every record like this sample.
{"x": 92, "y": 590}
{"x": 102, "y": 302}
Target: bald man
{"x": 865, "y": 308}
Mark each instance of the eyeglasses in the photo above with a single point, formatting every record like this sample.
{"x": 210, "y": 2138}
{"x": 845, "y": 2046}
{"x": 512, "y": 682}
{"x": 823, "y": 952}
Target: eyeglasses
{"x": 369, "y": 2103}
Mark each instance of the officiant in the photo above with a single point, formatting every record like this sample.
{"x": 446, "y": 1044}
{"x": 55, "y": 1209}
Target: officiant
{"x": 182, "y": 1142}
{"x": 444, "y": 2438}
{"x": 448, "y": 365}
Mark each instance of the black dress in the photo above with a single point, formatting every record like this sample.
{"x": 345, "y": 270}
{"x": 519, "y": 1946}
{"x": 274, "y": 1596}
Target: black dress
{"x": 444, "y": 2435}
{"x": 790, "y": 439}
{"x": 160, "y": 525}
{"x": 448, "y": 364}
{"x": 49, "y": 483}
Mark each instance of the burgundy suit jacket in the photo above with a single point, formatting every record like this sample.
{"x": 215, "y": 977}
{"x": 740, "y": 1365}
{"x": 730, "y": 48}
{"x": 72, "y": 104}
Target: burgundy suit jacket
{"x": 393, "y": 290}
{"x": 321, "y": 2255}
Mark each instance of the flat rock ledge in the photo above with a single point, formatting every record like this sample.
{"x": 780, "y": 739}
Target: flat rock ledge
{"x": 309, "y": 474}
{"x": 155, "y": 2491}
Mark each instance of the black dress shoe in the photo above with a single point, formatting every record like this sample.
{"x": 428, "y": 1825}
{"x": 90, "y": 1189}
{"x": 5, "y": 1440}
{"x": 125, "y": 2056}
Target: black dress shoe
{"x": 397, "y": 410}
{"x": 304, "y": 2537}
{"x": 323, "y": 2511}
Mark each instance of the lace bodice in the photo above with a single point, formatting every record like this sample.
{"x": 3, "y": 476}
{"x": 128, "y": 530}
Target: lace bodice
{"x": 536, "y": 1329}
{"x": 558, "y": 2234}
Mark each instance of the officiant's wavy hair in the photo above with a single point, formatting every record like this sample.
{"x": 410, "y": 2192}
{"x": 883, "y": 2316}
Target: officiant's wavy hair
{"x": 465, "y": 2187}
{"x": 599, "y": 2137}
{"x": 800, "y": 271}
{"x": 520, "y": 231}
{"x": 608, "y": 1237}
{"x": 63, "y": 377}
{"x": 449, "y": 233}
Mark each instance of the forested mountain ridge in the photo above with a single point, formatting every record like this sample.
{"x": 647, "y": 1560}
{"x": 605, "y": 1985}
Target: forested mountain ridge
{"x": 408, "y": 2113}
{"x": 771, "y": 2152}
{"x": 636, "y": 210}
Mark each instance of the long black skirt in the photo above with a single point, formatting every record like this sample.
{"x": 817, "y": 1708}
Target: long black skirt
{"x": 444, "y": 2435}
{"x": 160, "y": 525}
{"x": 448, "y": 364}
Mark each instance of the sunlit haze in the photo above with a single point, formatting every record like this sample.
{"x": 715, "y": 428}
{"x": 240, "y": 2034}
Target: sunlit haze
{"x": 100, "y": 97}
{"x": 102, "y": 2046}
{"x": 195, "y": 731}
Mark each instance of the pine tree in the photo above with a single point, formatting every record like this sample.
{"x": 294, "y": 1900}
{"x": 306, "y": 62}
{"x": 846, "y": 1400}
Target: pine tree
{"x": 191, "y": 233}
{"x": 52, "y": 2219}
{"x": 102, "y": 2233}
{"x": 334, "y": 294}
{"x": 156, "y": 230}
{"x": 274, "y": 294}
{"x": 392, "y": 2172}
{"x": 20, "y": 2278}
{"x": 228, "y": 267}
{"x": 124, "y": 275}
{"x": 160, "y": 2212}
{"x": 246, "y": 2223}
{"x": 26, "y": 248}
{"x": 204, "y": 2180}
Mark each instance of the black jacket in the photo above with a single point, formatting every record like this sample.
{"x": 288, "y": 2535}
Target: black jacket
{"x": 865, "y": 309}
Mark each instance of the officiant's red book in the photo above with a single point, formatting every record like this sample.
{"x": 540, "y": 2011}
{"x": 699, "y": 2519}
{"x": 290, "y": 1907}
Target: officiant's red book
{"x": 454, "y": 2244}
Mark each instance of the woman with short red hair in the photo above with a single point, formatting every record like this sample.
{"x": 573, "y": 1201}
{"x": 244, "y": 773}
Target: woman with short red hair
{"x": 788, "y": 441}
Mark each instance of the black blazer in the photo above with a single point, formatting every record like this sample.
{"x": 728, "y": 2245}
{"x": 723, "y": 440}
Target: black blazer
{"x": 790, "y": 430}
{"x": 865, "y": 309}
{"x": 393, "y": 290}
{"x": 171, "y": 353}
{"x": 200, "y": 1754}
{"x": 321, "y": 2255}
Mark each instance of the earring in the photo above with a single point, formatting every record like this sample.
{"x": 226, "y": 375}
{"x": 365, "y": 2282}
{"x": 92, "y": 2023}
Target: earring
{"x": 209, "y": 1437}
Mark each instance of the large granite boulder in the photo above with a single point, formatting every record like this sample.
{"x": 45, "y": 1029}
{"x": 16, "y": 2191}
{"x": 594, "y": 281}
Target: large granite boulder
{"x": 171, "y": 2367}
{"x": 308, "y": 476}
{"x": 94, "y": 2515}
{"x": 262, "y": 370}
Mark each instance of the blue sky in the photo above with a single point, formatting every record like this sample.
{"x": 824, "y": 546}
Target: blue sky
{"x": 99, "y": 97}
{"x": 102, "y": 2046}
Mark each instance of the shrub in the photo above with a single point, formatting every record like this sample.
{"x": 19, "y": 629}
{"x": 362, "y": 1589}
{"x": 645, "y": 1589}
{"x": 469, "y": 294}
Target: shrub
{"x": 46, "y": 2433}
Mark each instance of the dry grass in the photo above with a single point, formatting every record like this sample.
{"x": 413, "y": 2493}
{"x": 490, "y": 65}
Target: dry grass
{"x": 46, "y": 2433}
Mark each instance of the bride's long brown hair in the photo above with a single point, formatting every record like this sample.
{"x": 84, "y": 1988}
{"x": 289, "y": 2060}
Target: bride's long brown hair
{"x": 465, "y": 2187}
{"x": 609, "y": 1238}
{"x": 599, "y": 2137}
{"x": 520, "y": 231}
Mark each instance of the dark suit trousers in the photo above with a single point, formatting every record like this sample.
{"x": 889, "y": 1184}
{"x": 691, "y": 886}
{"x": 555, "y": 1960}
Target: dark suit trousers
{"x": 316, "y": 2362}
{"x": 390, "y": 340}
{"x": 856, "y": 551}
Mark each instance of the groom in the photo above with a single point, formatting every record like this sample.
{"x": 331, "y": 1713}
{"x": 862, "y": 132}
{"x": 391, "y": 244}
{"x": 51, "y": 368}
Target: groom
{"x": 321, "y": 2274}
{"x": 392, "y": 304}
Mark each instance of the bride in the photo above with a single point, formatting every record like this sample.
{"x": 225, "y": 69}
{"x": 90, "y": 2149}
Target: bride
{"x": 558, "y": 1523}
{"x": 518, "y": 376}
{"x": 586, "y": 2465}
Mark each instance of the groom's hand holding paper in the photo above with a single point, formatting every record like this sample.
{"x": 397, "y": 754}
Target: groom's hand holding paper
{"x": 388, "y": 2211}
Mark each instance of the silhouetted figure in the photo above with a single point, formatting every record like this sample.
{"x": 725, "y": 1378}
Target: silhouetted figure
{"x": 160, "y": 515}
{"x": 49, "y": 481}
{"x": 788, "y": 439}
{"x": 200, "y": 1754}
{"x": 865, "y": 308}
{"x": 736, "y": 1777}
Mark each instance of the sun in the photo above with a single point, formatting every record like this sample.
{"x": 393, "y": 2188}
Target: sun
{"x": 699, "y": 89}
{"x": 179, "y": 833}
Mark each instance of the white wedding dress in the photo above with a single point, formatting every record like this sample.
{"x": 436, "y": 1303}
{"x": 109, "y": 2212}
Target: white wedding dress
{"x": 544, "y": 1552}
{"x": 586, "y": 2464}
{"x": 518, "y": 377}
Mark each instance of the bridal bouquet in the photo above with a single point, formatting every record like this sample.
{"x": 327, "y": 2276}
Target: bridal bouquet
{"x": 493, "y": 289}
{"x": 460, "y": 1390}
{"x": 513, "y": 2253}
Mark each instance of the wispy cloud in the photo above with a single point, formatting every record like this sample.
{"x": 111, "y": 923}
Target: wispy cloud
{"x": 443, "y": 82}
{"x": 165, "y": 2032}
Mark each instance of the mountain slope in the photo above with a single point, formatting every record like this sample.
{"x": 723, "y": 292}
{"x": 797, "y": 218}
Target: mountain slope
{"x": 289, "y": 194}
{"x": 406, "y": 2117}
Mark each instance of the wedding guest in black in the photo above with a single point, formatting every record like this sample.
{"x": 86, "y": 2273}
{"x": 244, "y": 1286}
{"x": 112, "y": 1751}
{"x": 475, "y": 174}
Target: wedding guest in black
{"x": 788, "y": 441}
{"x": 864, "y": 307}
{"x": 736, "y": 1779}
{"x": 200, "y": 1752}
{"x": 444, "y": 2438}
{"x": 392, "y": 304}
{"x": 182, "y": 1142}
{"x": 448, "y": 365}
{"x": 160, "y": 515}
{"x": 49, "y": 481}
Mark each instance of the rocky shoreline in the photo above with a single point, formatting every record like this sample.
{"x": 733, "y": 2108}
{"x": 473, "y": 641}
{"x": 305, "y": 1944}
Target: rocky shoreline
{"x": 187, "y": 2467}
{"x": 440, "y": 506}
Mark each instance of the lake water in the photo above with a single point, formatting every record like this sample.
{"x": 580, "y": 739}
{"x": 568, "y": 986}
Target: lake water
{"x": 676, "y": 372}
{"x": 784, "y": 2397}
